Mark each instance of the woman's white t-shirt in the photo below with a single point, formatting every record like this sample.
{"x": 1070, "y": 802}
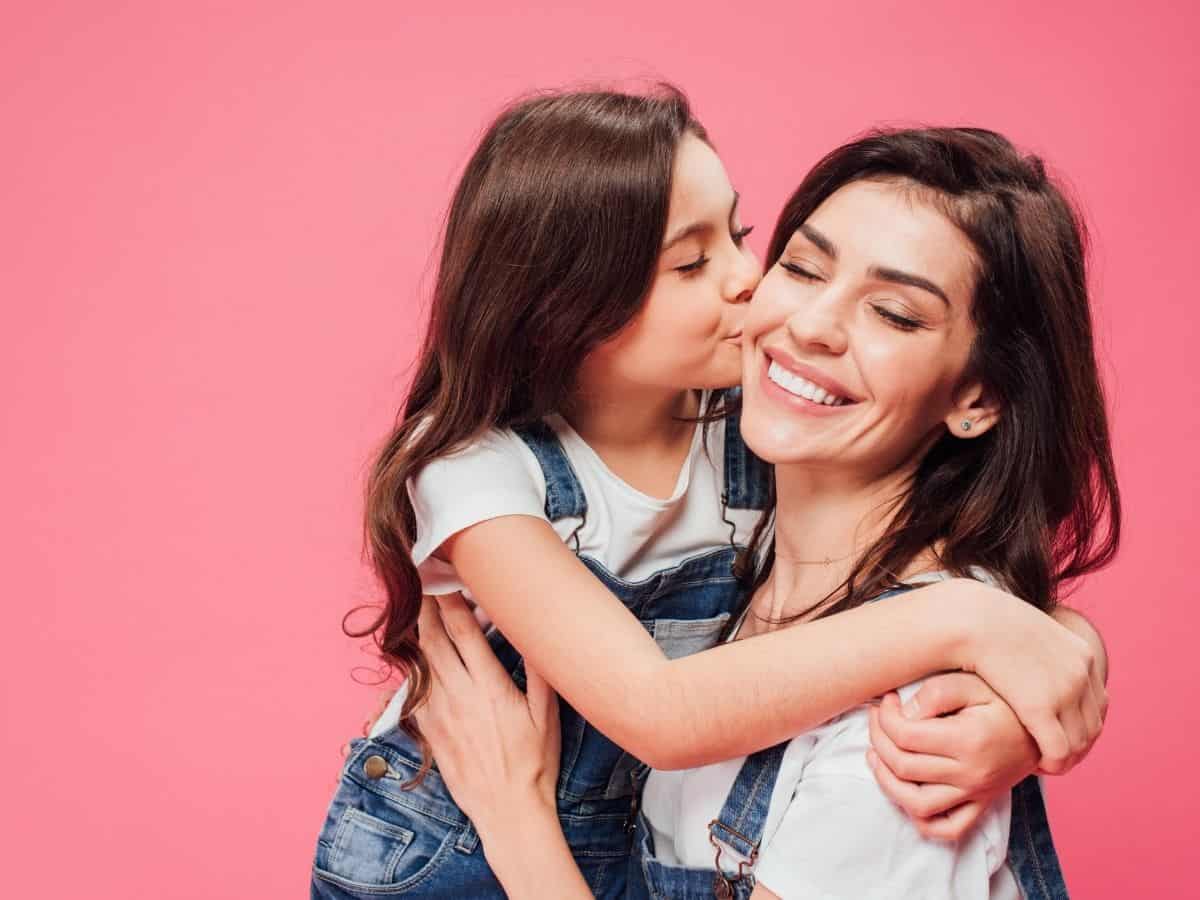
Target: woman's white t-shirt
{"x": 831, "y": 832}
{"x": 630, "y": 533}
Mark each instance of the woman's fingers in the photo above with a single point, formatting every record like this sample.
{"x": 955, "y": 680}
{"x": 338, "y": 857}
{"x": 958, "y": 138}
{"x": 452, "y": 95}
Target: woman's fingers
{"x": 468, "y": 637}
{"x": 920, "y": 801}
{"x": 947, "y": 693}
{"x": 543, "y": 702}
{"x": 915, "y": 767}
{"x": 444, "y": 662}
{"x": 954, "y": 824}
{"x": 937, "y": 737}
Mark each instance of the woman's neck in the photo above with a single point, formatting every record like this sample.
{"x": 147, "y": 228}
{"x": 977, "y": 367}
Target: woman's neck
{"x": 823, "y": 524}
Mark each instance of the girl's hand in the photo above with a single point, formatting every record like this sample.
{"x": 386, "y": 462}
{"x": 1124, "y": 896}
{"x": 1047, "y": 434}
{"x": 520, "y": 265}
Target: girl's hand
{"x": 1048, "y": 675}
{"x": 496, "y": 748}
{"x": 949, "y": 752}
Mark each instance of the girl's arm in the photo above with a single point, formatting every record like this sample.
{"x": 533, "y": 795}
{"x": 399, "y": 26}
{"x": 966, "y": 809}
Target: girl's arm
{"x": 956, "y": 745}
{"x": 667, "y": 712}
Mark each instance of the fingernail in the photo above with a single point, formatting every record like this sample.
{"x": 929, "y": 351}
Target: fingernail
{"x": 911, "y": 709}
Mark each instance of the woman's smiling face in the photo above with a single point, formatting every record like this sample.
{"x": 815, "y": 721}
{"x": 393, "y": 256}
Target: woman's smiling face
{"x": 858, "y": 338}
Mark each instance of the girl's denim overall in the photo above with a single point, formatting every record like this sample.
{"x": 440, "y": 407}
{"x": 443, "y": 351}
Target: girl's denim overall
{"x": 736, "y": 835}
{"x": 380, "y": 840}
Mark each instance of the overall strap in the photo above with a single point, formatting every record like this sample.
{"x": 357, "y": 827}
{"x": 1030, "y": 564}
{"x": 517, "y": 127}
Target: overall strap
{"x": 747, "y": 478}
{"x": 1031, "y": 850}
{"x": 564, "y": 492}
{"x": 744, "y": 816}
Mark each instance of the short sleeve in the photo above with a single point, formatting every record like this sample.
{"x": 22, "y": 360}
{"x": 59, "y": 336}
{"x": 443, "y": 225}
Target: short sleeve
{"x": 493, "y": 477}
{"x": 841, "y": 837}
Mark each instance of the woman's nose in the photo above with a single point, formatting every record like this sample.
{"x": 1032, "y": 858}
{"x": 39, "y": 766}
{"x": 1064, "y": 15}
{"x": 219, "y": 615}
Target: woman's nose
{"x": 818, "y": 324}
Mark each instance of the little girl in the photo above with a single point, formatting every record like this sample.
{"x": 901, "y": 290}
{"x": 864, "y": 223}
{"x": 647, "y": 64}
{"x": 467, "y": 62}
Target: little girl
{"x": 563, "y": 460}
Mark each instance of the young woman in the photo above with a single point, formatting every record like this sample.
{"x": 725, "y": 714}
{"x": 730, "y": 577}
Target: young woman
{"x": 918, "y": 365}
{"x": 549, "y": 461}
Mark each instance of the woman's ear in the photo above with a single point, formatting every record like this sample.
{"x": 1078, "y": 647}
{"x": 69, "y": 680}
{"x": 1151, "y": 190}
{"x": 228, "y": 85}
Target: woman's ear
{"x": 974, "y": 412}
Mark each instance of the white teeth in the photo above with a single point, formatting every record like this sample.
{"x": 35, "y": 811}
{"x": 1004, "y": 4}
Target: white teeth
{"x": 802, "y": 387}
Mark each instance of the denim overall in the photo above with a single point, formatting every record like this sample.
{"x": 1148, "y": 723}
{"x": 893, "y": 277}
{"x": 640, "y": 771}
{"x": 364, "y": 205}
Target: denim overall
{"x": 380, "y": 840}
{"x": 736, "y": 836}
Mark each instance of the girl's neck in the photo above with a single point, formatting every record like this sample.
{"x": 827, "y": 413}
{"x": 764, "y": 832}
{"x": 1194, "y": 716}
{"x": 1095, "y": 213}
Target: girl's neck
{"x": 823, "y": 524}
{"x": 636, "y": 430}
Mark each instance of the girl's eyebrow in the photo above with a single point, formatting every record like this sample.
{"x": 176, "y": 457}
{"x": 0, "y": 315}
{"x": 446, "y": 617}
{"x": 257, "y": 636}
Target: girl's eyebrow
{"x": 697, "y": 227}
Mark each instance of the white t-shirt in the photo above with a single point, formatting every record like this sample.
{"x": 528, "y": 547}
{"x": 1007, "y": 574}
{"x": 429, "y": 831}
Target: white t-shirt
{"x": 630, "y": 533}
{"x": 831, "y": 833}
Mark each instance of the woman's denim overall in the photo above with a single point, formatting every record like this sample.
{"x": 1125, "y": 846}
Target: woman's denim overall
{"x": 737, "y": 833}
{"x": 380, "y": 839}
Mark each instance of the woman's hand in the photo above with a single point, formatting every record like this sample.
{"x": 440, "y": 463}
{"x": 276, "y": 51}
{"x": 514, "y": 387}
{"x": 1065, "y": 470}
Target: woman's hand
{"x": 1048, "y": 675}
{"x": 949, "y": 752}
{"x": 496, "y": 748}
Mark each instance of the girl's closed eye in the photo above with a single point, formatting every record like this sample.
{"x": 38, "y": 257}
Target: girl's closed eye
{"x": 694, "y": 266}
{"x": 740, "y": 234}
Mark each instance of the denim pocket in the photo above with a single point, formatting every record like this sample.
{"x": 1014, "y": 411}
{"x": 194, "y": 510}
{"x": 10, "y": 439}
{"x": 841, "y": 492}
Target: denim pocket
{"x": 683, "y": 637}
{"x": 378, "y": 838}
{"x": 367, "y": 850}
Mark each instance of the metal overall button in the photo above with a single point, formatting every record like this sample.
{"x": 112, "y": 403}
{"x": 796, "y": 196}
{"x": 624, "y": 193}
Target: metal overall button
{"x": 376, "y": 767}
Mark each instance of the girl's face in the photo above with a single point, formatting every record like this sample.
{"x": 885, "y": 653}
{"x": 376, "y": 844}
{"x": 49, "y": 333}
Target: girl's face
{"x": 858, "y": 339}
{"x": 688, "y": 333}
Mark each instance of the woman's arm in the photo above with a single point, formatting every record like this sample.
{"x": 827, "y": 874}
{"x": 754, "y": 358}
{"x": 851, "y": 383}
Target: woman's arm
{"x": 602, "y": 661}
{"x": 498, "y": 752}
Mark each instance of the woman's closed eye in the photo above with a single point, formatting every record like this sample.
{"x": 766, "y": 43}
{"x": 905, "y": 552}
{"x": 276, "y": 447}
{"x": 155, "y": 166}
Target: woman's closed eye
{"x": 895, "y": 319}
{"x": 799, "y": 271}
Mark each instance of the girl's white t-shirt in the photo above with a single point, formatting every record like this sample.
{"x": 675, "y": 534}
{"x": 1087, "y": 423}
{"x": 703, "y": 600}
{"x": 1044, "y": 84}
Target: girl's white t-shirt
{"x": 630, "y": 533}
{"x": 831, "y": 833}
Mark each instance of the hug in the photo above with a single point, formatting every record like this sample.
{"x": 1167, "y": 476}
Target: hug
{"x": 718, "y": 578}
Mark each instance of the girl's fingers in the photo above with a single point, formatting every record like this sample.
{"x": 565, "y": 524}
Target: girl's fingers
{"x": 1050, "y": 735}
{"x": 920, "y": 801}
{"x": 915, "y": 767}
{"x": 954, "y": 824}
{"x": 1093, "y": 720}
{"x": 935, "y": 737}
{"x": 947, "y": 693}
{"x": 468, "y": 638}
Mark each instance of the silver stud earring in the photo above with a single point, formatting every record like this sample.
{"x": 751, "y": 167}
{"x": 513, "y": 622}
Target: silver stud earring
{"x": 966, "y": 424}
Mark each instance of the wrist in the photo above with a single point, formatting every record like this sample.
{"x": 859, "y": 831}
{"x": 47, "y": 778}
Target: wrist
{"x": 967, "y": 610}
{"x": 515, "y": 841}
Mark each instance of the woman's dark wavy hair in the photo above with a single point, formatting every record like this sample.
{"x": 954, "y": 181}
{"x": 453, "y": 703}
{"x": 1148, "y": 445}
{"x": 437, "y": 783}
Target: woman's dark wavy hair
{"x": 550, "y": 247}
{"x": 1034, "y": 500}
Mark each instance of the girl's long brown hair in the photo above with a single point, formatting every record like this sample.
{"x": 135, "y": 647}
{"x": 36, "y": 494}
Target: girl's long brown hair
{"x": 1035, "y": 499}
{"x": 550, "y": 246}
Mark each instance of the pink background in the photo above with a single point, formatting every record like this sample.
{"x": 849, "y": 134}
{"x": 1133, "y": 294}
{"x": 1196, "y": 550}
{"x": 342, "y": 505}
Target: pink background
{"x": 216, "y": 239}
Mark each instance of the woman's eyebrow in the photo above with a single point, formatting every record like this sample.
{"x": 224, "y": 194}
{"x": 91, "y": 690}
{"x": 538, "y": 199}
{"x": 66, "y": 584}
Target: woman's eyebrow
{"x": 824, "y": 244}
{"x": 898, "y": 277}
